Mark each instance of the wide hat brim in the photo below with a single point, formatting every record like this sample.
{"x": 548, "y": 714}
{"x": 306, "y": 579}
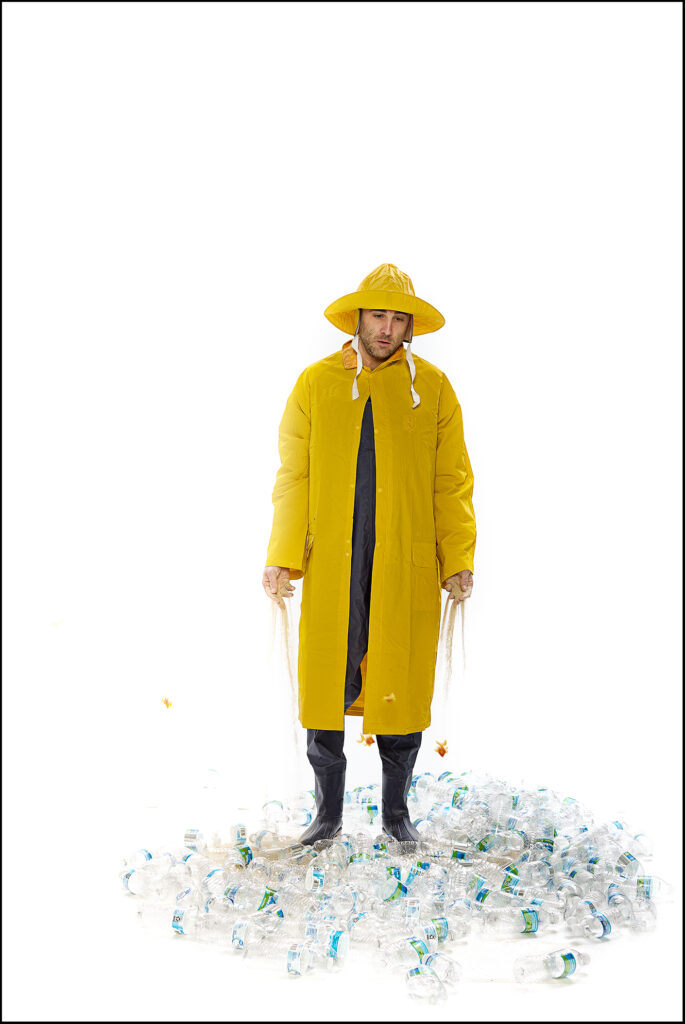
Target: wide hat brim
{"x": 344, "y": 312}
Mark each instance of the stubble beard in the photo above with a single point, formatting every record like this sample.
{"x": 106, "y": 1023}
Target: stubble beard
{"x": 381, "y": 353}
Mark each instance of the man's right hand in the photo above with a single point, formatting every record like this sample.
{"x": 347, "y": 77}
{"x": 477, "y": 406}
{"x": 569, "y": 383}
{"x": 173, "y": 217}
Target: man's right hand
{"x": 277, "y": 585}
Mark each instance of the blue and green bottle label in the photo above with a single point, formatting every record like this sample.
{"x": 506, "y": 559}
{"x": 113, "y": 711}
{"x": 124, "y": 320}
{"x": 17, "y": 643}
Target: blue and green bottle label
{"x": 643, "y": 884}
{"x": 487, "y": 841}
{"x": 245, "y": 852}
{"x": 419, "y": 946}
{"x": 531, "y": 921}
{"x": 230, "y": 893}
{"x": 459, "y": 855}
{"x": 569, "y": 965}
{"x": 270, "y": 896}
{"x": 399, "y": 892}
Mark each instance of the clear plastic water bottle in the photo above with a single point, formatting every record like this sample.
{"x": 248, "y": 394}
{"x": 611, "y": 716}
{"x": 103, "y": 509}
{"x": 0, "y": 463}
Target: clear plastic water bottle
{"x": 260, "y": 928}
{"x": 218, "y": 906}
{"x": 510, "y": 922}
{"x": 388, "y": 887}
{"x": 299, "y": 813}
{"x": 195, "y": 840}
{"x": 447, "y": 968}
{"x": 291, "y": 852}
{"x": 649, "y": 887}
{"x": 423, "y": 983}
{"x": 628, "y": 865}
{"x": 429, "y": 933}
{"x": 589, "y": 922}
{"x": 179, "y": 876}
{"x": 642, "y": 845}
{"x": 491, "y": 843}
{"x": 644, "y": 915}
{"x": 322, "y": 877}
{"x": 186, "y": 920}
{"x": 273, "y": 813}
{"x": 412, "y": 910}
{"x": 215, "y": 881}
{"x": 299, "y": 959}
{"x": 495, "y": 898}
{"x": 260, "y": 869}
{"x": 458, "y": 927}
{"x": 135, "y": 859}
{"x": 215, "y": 929}
{"x": 142, "y": 881}
{"x": 264, "y": 839}
{"x": 157, "y": 918}
{"x": 238, "y": 856}
{"x": 188, "y": 897}
{"x": 550, "y": 908}
{"x": 330, "y": 947}
{"x": 364, "y": 929}
{"x": 343, "y": 900}
{"x": 293, "y": 902}
{"x": 334, "y": 850}
{"x": 561, "y": 963}
{"x": 199, "y": 865}
{"x": 459, "y": 906}
{"x": 407, "y": 952}
{"x": 244, "y": 896}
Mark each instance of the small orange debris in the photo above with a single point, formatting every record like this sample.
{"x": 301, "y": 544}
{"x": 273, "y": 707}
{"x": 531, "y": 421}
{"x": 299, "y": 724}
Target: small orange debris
{"x": 441, "y": 748}
{"x": 366, "y": 739}
{"x": 390, "y": 698}
{"x": 166, "y": 702}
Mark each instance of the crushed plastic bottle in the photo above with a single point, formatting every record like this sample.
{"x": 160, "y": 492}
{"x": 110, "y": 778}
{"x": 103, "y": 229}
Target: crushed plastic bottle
{"x": 423, "y": 983}
{"x": 561, "y": 963}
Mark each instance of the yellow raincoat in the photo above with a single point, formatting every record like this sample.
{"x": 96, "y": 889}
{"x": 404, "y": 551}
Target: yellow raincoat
{"x": 425, "y": 532}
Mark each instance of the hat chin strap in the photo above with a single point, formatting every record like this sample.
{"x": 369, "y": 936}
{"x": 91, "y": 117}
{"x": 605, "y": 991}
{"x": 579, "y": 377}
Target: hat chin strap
{"x": 355, "y": 346}
{"x": 410, "y": 359}
{"x": 412, "y": 368}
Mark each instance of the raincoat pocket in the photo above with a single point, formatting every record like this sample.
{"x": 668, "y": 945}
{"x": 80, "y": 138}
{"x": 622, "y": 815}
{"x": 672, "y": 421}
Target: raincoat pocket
{"x": 424, "y": 553}
{"x": 425, "y": 573}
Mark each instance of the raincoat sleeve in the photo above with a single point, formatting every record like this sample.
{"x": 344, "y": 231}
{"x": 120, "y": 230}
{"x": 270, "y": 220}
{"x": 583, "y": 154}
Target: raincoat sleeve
{"x": 290, "y": 497}
{"x": 455, "y": 523}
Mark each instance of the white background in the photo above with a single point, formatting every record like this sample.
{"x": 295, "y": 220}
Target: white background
{"x": 186, "y": 188}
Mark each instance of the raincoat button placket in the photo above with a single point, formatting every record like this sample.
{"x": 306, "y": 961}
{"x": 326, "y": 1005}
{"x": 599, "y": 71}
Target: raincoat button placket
{"x": 361, "y": 553}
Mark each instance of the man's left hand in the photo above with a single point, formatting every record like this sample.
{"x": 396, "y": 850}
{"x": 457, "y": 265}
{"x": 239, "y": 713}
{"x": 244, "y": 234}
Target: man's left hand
{"x": 460, "y": 585}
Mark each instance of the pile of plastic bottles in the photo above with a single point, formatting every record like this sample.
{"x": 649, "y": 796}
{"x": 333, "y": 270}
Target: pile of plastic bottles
{"x": 493, "y": 861}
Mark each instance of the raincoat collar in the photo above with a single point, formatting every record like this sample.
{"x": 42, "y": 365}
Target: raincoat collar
{"x": 350, "y": 356}
{"x": 352, "y": 359}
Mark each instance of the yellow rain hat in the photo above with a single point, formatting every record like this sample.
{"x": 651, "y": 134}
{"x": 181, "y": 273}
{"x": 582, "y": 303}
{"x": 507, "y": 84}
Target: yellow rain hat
{"x": 386, "y": 287}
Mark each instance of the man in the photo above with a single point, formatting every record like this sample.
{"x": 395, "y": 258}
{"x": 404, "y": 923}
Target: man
{"x": 373, "y": 508}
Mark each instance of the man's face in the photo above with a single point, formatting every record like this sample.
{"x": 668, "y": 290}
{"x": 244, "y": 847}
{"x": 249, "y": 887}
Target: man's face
{"x": 381, "y": 332}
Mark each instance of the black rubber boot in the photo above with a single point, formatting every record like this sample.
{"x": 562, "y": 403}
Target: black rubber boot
{"x": 395, "y": 816}
{"x": 330, "y": 797}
